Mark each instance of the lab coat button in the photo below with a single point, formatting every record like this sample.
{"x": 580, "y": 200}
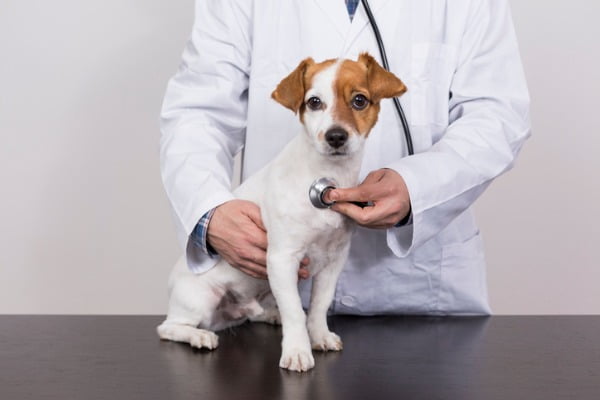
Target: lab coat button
{"x": 348, "y": 301}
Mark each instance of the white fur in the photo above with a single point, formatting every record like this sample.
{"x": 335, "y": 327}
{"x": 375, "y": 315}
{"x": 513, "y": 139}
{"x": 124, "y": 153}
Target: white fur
{"x": 198, "y": 303}
{"x": 320, "y": 122}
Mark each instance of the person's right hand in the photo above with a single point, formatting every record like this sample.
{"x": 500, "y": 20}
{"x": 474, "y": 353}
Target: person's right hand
{"x": 237, "y": 233}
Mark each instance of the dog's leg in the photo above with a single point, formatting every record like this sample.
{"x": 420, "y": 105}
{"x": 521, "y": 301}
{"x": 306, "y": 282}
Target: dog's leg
{"x": 282, "y": 268}
{"x": 185, "y": 332}
{"x": 190, "y": 305}
{"x": 323, "y": 288}
{"x": 270, "y": 312}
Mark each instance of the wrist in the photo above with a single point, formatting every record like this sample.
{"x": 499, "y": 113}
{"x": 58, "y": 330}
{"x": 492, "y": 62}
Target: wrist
{"x": 199, "y": 235}
{"x": 407, "y": 220}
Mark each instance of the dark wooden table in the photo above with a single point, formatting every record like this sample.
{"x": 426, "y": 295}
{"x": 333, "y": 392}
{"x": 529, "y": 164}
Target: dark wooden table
{"x": 120, "y": 357}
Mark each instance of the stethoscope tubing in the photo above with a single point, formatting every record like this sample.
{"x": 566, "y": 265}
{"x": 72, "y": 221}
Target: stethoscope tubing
{"x": 386, "y": 65}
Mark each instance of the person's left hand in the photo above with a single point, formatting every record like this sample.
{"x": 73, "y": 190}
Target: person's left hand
{"x": 385, "y": 188}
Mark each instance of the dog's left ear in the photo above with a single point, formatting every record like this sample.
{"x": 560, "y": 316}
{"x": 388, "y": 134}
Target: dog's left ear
{"x": 382, "y": 84}
{"x": 290, "y": 91}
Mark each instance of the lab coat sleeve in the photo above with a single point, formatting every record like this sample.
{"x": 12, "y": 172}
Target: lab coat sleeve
{"x": 203, "y": 118}
{"x": 488, "y": 124}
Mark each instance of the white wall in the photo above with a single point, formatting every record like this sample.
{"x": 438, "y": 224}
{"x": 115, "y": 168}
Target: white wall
{"x": 85, "y": 223}
{"x": 541, "y": 222}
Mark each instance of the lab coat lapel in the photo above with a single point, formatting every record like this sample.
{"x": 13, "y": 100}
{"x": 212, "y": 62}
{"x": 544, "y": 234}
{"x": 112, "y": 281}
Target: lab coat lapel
{"x": 337, "y": 14}
{"x": 361, "y": 21}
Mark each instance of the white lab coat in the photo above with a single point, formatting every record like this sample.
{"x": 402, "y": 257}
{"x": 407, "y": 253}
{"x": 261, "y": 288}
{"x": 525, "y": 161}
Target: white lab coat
{"x": 218, "y": 103}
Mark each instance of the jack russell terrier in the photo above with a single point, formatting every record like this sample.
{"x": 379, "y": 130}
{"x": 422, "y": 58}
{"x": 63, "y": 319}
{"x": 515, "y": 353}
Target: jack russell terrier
{"x": 338, "y": 102}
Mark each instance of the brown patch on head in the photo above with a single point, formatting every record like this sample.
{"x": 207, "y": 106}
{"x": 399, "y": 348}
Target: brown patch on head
{"x": 290, "y": 91}
{"x": 352, "y": 80}
{"x": 368, "y": 78}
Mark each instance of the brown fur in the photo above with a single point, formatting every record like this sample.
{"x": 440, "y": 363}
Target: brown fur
{"x": 364, "y": 76}
{"x": 290, "y": 91}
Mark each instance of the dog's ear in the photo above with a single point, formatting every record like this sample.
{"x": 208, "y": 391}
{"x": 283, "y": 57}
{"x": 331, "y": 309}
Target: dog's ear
{"x": 290, "y": 91}
{"x": 382, "y": 84}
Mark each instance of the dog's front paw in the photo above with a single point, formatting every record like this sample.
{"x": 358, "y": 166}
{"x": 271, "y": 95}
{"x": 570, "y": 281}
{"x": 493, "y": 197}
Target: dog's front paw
{"x": 203, "y": 339}
{"x": 327, "y": 341}
{"x": 297, "y": 359}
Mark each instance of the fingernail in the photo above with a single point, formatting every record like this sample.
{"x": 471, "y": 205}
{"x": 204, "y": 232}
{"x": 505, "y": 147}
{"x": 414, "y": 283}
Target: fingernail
{"x": 331, "y": 196}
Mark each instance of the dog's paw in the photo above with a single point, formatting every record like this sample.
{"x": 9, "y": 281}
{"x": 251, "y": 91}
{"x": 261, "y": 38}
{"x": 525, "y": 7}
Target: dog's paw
{"x": 327, "y": 341}
{"x": 270, "y": 316}
{"x": 202, "y": 339}
{"x": 297, "y": 359}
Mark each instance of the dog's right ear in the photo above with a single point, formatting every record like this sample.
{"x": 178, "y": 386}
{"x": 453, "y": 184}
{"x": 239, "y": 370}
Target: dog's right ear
{"x": 290, "y": 91}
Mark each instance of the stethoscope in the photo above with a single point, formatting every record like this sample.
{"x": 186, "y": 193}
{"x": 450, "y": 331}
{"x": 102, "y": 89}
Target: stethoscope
{"x": 321, "y": 186}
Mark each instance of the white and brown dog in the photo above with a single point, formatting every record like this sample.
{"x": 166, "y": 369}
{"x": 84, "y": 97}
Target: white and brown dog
{"x": 338, "y": 102}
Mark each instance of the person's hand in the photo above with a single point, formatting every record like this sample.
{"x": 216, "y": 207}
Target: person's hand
{"x": 385, "y": 188}
{"x": 237, "y": 233}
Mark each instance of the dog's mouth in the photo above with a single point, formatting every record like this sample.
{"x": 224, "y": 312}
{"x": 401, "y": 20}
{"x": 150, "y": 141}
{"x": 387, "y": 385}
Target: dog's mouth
{"x": 338, "y": 153}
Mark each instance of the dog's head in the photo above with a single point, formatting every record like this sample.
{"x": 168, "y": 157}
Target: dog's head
{"x": 338, "y": 100}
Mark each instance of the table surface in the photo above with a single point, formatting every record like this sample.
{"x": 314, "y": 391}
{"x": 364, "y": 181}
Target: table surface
{"x": 120, "y": 357}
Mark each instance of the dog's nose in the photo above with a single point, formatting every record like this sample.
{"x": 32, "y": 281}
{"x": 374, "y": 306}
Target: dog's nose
{"x": 336, "y": 137}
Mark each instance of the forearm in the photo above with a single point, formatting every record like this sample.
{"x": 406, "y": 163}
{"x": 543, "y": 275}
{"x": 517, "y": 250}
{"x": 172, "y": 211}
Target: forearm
{"x": 203, "y": 118}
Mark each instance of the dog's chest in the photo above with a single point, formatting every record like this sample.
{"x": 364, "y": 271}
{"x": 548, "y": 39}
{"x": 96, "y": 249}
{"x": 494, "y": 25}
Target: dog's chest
{"x": 321, "y": 228}
{"x": 325, "y": 220}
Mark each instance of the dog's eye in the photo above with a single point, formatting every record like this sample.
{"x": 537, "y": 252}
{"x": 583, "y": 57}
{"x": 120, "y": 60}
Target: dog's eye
{"x": 314, "y": 103}
{"x": 360, "y": 102}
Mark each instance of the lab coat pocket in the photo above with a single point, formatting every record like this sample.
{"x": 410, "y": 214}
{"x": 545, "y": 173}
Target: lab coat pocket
{"x": 464, "y": 248}
{"x": 420, "y": 280}
{"x": 432, "y": 67}
{"x": 463, "y": 287}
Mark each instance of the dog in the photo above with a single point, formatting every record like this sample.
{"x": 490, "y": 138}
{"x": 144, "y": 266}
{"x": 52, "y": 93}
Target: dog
{"x": 338, "y": 102}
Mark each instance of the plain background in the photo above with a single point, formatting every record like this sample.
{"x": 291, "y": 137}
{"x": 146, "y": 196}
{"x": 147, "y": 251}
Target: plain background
{"x": 85, "y": 224}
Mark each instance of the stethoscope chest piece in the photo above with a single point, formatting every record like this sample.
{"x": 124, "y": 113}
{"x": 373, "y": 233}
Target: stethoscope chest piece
{"x": 317, "y": 191}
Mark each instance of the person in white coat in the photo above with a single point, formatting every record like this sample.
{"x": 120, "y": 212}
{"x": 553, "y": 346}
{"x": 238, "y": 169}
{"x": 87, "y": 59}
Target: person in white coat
{"x": 418, "y": 250}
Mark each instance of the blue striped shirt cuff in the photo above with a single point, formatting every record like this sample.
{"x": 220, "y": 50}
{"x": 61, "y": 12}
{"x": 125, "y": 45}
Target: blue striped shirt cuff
{"x": 198, "y": 235}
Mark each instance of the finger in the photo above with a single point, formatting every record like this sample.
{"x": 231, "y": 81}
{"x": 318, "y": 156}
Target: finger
{"x": 303, "y": 273}
{"x": 255, "y": 256}
{"x": 372, "y": 217}
{"x": 254, "y": 274}
{"x": 253, "y": 212}
{"x": 381, "y": 225}
{"x": 253, "y": 269}
{"x": 358, "y": 214}
{"x": 305, "y": 262}
{"x": 258, "y": 238}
